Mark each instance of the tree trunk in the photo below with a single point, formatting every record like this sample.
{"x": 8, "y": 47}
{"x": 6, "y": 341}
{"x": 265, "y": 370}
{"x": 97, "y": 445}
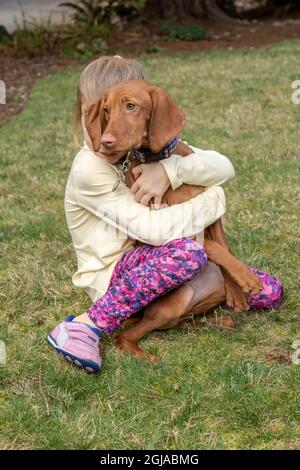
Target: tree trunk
{"x": 178, "y": 9}
{"x": 271, "y": 8}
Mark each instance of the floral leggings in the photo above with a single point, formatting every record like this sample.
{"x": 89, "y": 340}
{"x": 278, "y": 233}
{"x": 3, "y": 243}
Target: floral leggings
{"x": 147, "y": 272}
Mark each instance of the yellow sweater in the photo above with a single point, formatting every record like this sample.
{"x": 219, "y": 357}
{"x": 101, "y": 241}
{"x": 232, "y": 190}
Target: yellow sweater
{"x": 104, "y": 224}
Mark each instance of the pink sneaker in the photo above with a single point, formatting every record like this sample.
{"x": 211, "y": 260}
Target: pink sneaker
{"x": 78, "y": 343}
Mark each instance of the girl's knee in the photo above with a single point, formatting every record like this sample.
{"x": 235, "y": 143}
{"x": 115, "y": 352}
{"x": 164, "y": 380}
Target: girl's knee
{"x": 276, "y": 294}
{"x": 191, "y": 254}
{"x": 198, "y": 257}
{"x": 271, "y": 294}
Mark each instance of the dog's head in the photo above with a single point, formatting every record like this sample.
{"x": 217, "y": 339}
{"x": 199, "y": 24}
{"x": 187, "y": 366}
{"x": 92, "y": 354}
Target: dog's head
{"x": 132, "y": 114}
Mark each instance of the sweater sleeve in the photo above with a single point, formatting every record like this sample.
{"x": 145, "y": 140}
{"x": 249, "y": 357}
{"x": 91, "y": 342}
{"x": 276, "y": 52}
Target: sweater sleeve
{"x": 201, "y": 168}
{"x": 93, "y": 191}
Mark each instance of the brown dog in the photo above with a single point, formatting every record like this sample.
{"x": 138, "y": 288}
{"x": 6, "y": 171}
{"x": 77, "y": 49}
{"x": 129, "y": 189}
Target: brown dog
{"x": 134, "y": 114}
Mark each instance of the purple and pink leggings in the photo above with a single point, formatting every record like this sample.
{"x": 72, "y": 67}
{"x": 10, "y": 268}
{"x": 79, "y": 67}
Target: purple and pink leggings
{"x": 147, "y": 272}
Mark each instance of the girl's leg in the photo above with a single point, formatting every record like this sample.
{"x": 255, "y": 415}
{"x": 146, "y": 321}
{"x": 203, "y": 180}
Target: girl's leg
{"x": 271, "y": 294}
{"x": 142, "y": 275}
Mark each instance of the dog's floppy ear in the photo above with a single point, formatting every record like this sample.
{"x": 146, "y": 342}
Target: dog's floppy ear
{"x": 166, "y": 121}
{"x": 93, "y": 125}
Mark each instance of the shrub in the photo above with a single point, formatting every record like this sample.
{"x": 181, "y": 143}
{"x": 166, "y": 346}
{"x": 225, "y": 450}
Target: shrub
{"x": 95, "y": 12}
{"x": 34, "y": 39}
{"x": 188, "y": 32}
{"x": 152, "y": 49}
{"x": 3, "y": 33}
{"x": 30, "y": 39}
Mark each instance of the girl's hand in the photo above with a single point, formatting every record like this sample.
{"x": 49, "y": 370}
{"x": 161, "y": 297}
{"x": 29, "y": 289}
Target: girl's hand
{"x": 152, "y": 182}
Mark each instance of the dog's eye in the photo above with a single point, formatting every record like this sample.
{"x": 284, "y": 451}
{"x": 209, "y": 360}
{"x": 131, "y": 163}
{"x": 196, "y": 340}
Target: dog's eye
{"x": 130, "y": 106}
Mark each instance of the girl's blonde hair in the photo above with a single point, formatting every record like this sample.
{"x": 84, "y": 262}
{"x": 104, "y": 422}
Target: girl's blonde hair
{"x": 99, "y": 75}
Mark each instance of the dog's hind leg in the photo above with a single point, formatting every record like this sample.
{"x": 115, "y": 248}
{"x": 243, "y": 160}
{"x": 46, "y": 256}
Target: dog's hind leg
{"x": 165, "y": 312}
{"x": 197, "y": 296}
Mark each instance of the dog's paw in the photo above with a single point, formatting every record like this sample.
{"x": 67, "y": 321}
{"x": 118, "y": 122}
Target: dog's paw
{"x": 235, "y": 298}
{"x": 224, "y": 322}
{"x": 248, "y": 281}
{"x": 150, "y": 357}
{"x": 131, "y": 347}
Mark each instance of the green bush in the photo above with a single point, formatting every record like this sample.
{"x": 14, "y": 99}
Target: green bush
{"x": 33, "y": 39}
{"x": 188, "y": 32}
{"x": 152, "y": 48}
{"x": 3, "y": 33}
{"x": 95, "y": 12}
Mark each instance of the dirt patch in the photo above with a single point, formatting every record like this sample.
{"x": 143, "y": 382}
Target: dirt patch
{"x": 21, "y": 74}
{"x": 232, "y": 35}
{"x": 277, "y": 355}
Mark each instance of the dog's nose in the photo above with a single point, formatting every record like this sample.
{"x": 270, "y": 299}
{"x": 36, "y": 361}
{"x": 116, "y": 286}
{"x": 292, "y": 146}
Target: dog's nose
{"x": 108, "y": 140}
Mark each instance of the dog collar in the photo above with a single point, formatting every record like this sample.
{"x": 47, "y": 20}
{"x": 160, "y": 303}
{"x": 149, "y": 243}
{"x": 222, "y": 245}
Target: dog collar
{"x": 145, "y": 155}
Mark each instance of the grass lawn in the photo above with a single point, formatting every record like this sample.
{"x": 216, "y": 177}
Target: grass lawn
{"x": 212, "y": 389}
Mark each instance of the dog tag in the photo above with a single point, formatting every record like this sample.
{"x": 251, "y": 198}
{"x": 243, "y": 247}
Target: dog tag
{"x": 123, "y": 171}
{"x": 119, "y": 179}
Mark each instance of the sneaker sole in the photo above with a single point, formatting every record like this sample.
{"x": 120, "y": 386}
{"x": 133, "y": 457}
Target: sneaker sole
{"x": 88, "y": 366}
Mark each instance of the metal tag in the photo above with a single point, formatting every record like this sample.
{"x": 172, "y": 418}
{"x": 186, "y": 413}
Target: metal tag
{"x": 119, "y": 179}
{"x": 121, "y": 174}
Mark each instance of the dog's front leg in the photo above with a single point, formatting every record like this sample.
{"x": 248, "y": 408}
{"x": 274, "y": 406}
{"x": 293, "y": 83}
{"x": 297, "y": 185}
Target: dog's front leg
{"x": 238, "y": 278}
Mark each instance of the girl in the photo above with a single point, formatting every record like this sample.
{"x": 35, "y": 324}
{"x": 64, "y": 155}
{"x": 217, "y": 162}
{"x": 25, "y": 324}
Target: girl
{"x": 105, "y": 222}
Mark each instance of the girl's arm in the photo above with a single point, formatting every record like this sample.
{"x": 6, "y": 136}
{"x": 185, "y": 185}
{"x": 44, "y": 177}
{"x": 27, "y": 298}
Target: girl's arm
{"x": 93, "y": 189}
{"x": 201, "y": 168}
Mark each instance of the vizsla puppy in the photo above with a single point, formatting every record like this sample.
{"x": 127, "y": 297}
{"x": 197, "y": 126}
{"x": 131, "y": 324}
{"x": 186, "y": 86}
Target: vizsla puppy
{"x": 136, "y": 115}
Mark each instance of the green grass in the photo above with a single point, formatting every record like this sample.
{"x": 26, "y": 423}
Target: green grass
{"x": 212, "y": 389}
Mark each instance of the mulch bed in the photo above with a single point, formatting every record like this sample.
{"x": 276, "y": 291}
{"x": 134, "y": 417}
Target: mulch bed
{"x": 20, "y": 74}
